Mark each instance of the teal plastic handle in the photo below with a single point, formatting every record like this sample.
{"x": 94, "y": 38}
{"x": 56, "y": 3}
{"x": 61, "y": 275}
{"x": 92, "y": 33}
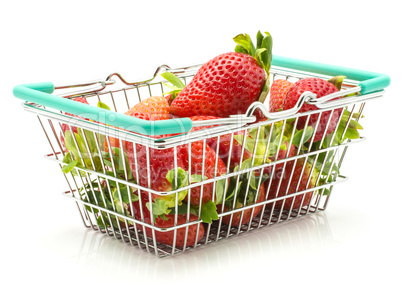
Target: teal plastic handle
{"x": 40, "y": 93}
{"x": 369, "y": 81}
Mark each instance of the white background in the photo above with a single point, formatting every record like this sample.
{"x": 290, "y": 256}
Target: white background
{"x": 355, "y": 242}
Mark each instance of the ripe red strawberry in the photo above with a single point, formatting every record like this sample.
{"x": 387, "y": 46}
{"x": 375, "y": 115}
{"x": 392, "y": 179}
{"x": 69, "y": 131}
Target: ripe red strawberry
{"x": 284, "y": 178}
{"x": 247, "y": 213}
{"x": 288, "y": 151}
{"x": 227, "y": 84}
{"x": 277, "y": 94}
{"x": 167, "y": 222}
{"x": 224, "y": 151}
{"x": 321, "y": 88}
{"x": 65, "y": 127}
{"x": 152, "y": 108}
{"x": 224, "y": 86}
{"x": 155, "y": 107}
{"x": 202, "y": 162}
{"x": 160, "y": 161}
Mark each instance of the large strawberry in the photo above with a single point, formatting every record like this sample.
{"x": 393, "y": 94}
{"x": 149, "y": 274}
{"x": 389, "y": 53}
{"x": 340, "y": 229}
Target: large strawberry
{"x": 321, "y": 88}
{"x": 277, "y": 93}
{"x": 295, "y": 177}
{"x": 227, "y": 84}
{"x": 184, "y": 237}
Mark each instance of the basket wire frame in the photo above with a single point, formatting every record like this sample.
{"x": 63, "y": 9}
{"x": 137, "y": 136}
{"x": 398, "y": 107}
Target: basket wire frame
{"x": 116, "y": 216}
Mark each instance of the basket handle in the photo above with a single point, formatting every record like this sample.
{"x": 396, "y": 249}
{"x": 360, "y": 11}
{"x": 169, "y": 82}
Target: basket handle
{"x": 41, "y": 93}
{"x": 369, "y": 81}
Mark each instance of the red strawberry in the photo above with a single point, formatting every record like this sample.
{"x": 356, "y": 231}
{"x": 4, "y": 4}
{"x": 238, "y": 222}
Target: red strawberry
{"x": 224, "y": 144}
{"x": 321, "y": 88}
{"x": 169, "y": 98}
{"x": 288, "y": 151}
{"x": 202, "y": 162}
{"x": 227, "y": 84}
{"x": 224, "y": 86}
{"x": 168, "y": 222}
{"x": 284, "y": 178}
{"x": 65, "y": 127}
{"x": 277, "y": 94}
{"x": 155, "y": 107}
{"x": 152, "y": 108}
{"x": 247, "y": 213}
{"x": 160, "y": 161}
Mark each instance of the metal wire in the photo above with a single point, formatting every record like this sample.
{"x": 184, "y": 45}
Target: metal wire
{"x": 100, "y": 187}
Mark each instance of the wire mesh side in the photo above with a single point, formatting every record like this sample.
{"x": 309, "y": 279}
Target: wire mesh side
{"x": 259, "y": 175}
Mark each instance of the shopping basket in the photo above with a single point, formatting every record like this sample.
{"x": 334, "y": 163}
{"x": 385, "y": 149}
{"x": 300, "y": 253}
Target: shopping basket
{"x": 104, "y": 178}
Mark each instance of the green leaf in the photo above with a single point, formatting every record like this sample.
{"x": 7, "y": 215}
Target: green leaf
{"x": 297, "y": 139}
{"x": 173, "y": 79}
{"x": 352, "y": 133}
{"x": 220, "y": 190}
{"x": 160, "y": 207}
{"x": 209, "y": 212}
{"x": 100, "y": 223}
{"x": 244, "y": 41}
{"x": 337, "y": 81}
{"x": 124, "y": 192}
{"x": 68, "y": 168}
{"x": 326, "y": 192}
{"x": 356, "y": 115}
{"x": 259, "y": 53}
{"x": 103, "y": 105}
{"x": 255, "y": 180}
{"x": 240, "y": 49}
{"x": 354, "y": 125}
{"x": 266, "y": 56}
{"x": 182, "y": 179}
{"x": 327, "y": 167}
{"x": 260, "y": 37}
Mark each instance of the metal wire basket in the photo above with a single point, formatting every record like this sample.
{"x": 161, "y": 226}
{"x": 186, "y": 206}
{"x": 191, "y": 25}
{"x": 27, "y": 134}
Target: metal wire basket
{"x": 267, "y": 184}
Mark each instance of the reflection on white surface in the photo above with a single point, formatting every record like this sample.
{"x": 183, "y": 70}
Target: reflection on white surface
{"x": 303, "y": 236}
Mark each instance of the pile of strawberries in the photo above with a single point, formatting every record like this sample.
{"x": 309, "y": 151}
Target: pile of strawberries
{"x": 226, "y": 85}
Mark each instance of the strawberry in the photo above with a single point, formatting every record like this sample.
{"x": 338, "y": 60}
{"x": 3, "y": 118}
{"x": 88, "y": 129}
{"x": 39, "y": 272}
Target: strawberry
{"x": 202, "y": 162}
{"x": 321, "y": 88}
{"x": 160, "y": 161}
{"x": 227, "y": 84}
{"x": 271, "y": 144}
{"x": 283, "y": 178}
{"x": 224, "y": 144}
{"x": 279, "y": 88}
{"x": 155, "y": 107}
{"x": 168, "y": 221}
{"x": 287, "y": 151}
{"x": 247, "y": 213}
{"x": 152, "y": 108}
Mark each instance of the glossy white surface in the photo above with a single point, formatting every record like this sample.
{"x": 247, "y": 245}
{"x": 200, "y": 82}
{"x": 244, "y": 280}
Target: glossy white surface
{"x": 356, "y": 242}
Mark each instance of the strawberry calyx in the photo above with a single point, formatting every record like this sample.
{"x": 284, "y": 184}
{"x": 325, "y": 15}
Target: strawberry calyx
{"x": 262, "y": 53}
{"x": 176, "y": 85}
{"x": 166, "y": 205}
{"x": 337, "y": 81}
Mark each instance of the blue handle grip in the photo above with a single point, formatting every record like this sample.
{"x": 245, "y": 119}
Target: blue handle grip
{"x": 369, "y": 81}
{"x": 40, "y": 93}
